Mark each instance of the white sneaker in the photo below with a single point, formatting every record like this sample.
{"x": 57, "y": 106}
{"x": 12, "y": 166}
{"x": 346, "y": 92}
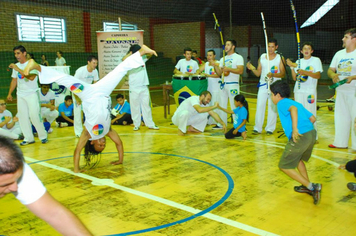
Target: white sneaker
{"x": 154, "y": 127}
{"x": 63, "y": 124}
{"x": 50, "y": 130}
{"x": 136, "y": 128}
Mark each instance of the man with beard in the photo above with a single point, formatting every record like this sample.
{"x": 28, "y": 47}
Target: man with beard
{"x": 193, "y": 112}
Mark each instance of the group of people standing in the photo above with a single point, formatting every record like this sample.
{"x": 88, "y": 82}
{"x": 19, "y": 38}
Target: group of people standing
{"x": 17, "y": 177}
{"x": 298, "y": 117}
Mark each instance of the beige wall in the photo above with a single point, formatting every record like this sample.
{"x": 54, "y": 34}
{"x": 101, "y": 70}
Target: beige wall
{"x": 173, "y": 38}
{"x": 170, "y": 39}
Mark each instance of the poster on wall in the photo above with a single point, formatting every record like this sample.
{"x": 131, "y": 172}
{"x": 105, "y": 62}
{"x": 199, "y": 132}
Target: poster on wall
{"x": 112, "y": 47}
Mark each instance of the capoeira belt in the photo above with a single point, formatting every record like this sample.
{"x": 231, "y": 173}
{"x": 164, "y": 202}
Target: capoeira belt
{"x": 222, "y": 85}
{"x": 260, "y": 85}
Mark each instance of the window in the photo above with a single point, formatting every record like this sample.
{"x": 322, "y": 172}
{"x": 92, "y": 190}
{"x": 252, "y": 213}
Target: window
{"x": 111, "y": 26}
{"x": 41, "y": 29}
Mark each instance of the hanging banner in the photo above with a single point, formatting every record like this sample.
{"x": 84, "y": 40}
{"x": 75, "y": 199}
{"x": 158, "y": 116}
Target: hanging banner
{"x": 112, "y": 47}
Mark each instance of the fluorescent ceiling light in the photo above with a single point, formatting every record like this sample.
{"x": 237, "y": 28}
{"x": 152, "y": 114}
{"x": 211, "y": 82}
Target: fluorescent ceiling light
{"x": 327, "y": 6}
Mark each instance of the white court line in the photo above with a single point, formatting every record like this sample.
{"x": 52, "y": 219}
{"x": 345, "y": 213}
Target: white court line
{"x": 157, "y": 199}
{"x": 282, "y": 147}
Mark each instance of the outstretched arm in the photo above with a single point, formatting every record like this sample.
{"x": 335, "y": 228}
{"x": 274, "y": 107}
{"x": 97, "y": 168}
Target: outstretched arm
{"x": 205, "y": 109}
{"x": 84, "y": 137}
{"x": 59, "y": 217}
{"x": 112, "y": 134}
{"x": 225, "y": 110}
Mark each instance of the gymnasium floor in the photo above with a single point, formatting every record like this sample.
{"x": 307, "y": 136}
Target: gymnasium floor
{"x": 200, "y": 184}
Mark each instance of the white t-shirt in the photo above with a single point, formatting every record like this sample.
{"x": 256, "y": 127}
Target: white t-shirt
{"x": 2, "y": 117}
{"x": 84, "y": 75}
{"x": 273, "y": 68}
{"x": 188, "y": 105}
{"x": 190, "y": 66}
{"x": 46, "y": 99}
{"x": 60, "y": 62}
{"x": 30, "y": 188}
{"x": 138, "y": 77}
{"x": 25, "y": 87}
{"x": 232, "y": 61}
{"x": 308, "y": 84}
{"x": 213, "y": 83}
{"x": 345, "y": 65}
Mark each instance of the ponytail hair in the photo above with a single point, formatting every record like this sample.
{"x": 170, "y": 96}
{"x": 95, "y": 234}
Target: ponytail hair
{"x": 92, "y": 156}
{"x": 240, "y": 98}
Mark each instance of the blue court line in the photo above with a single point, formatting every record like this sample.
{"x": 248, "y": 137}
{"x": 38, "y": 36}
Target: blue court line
{"x": 212, "y": 207}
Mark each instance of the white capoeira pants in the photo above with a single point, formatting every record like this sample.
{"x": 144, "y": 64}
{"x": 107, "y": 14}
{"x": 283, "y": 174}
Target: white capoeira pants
{"x": 182, "y": 120}
{"x": 310, "y": 105}
{"x": 49, "y": 115}
{"x": 93, "y": 94}
{"x": 140, "y": 102}
{"x": 344, "y": 118}
{"x": 11, "y": 133}
{"x": 262, "y": 98}
{"x": 78, "y": 119}
{"x": 214, "y": 98}
{"x": 227, "y": 93}
{"x": 29, "y": 111}
{"x": 103, "y": 87}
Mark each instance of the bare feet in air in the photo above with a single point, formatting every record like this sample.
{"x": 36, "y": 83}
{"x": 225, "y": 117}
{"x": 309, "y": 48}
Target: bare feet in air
{"x": 146, "y": 50}
{"x": 32, "y": 65}
{"x": 116, "y": 162}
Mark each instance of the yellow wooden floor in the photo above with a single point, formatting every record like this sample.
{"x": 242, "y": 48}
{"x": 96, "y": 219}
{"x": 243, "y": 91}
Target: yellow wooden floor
{"x": 200, "y": 184}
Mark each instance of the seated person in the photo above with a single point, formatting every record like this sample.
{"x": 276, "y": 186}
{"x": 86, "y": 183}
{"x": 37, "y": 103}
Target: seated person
{"x": 241, "y": 117}
{"x": 48, "y": 109}
{"x": 187, "y": 65}
{"x": 8, "y": 127}
{"x": 193, "y": 112}
{"x": 121, "y": 113}
{"x": 65, "y": 110}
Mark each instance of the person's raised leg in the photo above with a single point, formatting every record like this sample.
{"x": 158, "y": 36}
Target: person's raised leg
{"x": 31, "y": 65}
{"x": 146, "y": 50}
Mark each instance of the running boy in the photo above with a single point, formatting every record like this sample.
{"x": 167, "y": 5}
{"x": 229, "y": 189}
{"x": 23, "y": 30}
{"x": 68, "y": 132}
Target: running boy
{"x": 298, "y": 126}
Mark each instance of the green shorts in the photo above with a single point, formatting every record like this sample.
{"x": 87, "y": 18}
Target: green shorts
{"x": 295, "y": 152}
